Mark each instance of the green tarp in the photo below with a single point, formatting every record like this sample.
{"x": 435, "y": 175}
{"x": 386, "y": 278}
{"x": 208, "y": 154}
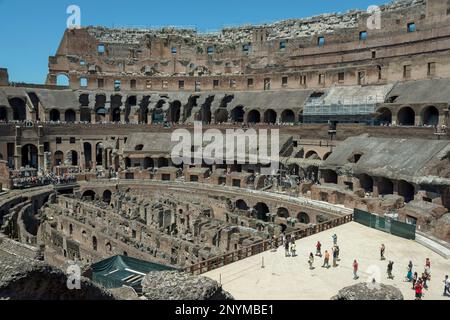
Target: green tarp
{"x": 118, "y": 271}
{"x": 385, "y": 224}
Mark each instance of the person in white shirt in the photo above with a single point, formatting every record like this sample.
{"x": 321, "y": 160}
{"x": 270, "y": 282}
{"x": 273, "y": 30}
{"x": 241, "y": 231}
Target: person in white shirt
{"x": 446, "y": 286}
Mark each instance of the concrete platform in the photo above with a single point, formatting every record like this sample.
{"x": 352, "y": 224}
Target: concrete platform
{"x": 288, "y": 278}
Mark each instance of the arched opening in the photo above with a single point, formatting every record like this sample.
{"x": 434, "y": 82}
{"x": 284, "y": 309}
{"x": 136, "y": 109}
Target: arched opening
{"x": 384, "y": 116}
{"x": 127, "y": 163}
{"x": 108, "y": 247}
{"x": 175, "y": 112}
{"x": 329, "y": 176}
{"x": 326, "y": 155}
{"x": 205, "y": 114}
{"x": 94, "y": 243}
{"x": 107, "y": 196}
{"x": 158, "y": 112}
{"x": 100, "y": 110}
{"x": 254, "y": 117}
{"x": 84, "y": 100}
{"x": 288, "y": 116}
{"x": 69, "y": 116}
{"x": 237, "y": 114}
{"x": 294, "y": 169}
{"x": 30, "y": 156}
{"x": 100, "y": 114}
{"x": 283, "y": 213}
{"x": 385, "y": 186}
{"x": 270, "y": 116}
{"x": 148, "y": 163}
{"x": 366, "y": 182}
{"x": 70, "y": 229}
{"x": 406, "y": 116}
{"x": 72, "y": 158}
{"x": 88, "y": 195}
{"x": 241, "y": 205}
{"x": 311, "y": 154}
{"x": 58, "y": 158}
{"x": 406, "y": 190}
{"x": 62, "y": 80}
{"x": 19, "y": 109}
{"x": 116, "y": 104}
{"x": 312, "y": 173}
{"x": 163, "y": 162}
{"x": 430, "y": 116}
{"x": 115, "y": 115}
{"x": 261, "y": 211}
{"x": 303, "y": 217}
{"x": 55, "y": 115}
{"x": 87, "y": 149}
{"x": 221, "y": 115}
{"x": 3, "y": 114}
{"x": 99, "y": 153}
{"x": 85, "y": 115}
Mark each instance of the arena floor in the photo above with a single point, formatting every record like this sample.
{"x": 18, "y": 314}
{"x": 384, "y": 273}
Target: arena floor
{"x": 288, "y": 278}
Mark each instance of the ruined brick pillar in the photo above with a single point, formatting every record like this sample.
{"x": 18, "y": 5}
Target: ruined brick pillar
{"x": 18, "y": 149}
{"x": 41, "y": 160}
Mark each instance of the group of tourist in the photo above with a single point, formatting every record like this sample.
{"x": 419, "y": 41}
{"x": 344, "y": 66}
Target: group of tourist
{"x": 290, "y": 247}
{"x": 419, "y": 283}
{"x": 21, "y": 181}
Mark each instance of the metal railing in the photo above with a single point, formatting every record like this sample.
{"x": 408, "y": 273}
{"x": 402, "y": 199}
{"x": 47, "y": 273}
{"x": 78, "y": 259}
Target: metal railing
{"x": 231, "y": 257}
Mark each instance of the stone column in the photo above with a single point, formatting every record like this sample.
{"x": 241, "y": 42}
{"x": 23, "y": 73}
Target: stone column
{"x": 41, "y": 160}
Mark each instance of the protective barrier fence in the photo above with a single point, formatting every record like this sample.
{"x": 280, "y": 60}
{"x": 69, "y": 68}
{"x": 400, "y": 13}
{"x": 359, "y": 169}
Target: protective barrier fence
{"x": 385, "y": 224}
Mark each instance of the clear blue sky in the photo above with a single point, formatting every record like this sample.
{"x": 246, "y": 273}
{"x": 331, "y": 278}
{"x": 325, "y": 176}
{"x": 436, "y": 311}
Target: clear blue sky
{"x": 30, "y": 31}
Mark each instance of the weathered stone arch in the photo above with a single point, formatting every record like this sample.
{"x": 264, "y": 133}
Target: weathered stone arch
{"x": 406, "y": 116}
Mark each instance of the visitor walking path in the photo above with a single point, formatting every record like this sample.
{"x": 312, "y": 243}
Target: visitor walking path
{"x": 290, "y": 278}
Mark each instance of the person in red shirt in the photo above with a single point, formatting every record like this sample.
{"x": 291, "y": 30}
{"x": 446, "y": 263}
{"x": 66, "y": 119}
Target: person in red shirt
{"x": 355, "y": 270}
{"x": 319, "y": 249}
{"x": 419, "y": 290}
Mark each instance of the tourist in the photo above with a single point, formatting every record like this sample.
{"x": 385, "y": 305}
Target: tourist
{"x": 410, "y": 266}
{"x": 326, "y": 261}
{"x": 409, "y": 276}
{"x": 334, "y": 239}
{"x": 446, "y": 286}
{"x": 311, "y": 261}
{"x": 390, "y": 267}
{"x": 428, "y": 269}
{"x": 337, "y": 253}
{"x": 293, "y": 248}
{"x": 415, "y": 279}
{"x": 419, "y": 291}
{"x": 286, "y": 248}
{"x": 274, "y": 243}
{"x": 334, "y": 251}
{"x": 355, "y": 270}
{"x": 382, "y": 251}
{"x": 424, "y": 281}
{"x": 319, "y": 249}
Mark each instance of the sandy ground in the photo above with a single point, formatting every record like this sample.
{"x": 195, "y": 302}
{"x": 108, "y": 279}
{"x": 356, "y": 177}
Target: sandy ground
{"x": 289, "y": 278}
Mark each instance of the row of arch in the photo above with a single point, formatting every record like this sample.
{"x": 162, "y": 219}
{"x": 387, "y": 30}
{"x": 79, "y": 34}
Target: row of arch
{"x": 406, "y": 116}
{"x": 91, "y": 195}
{"x": 384, "y": 185}
{"x": 269, "y": 116}
{"x": 261, "y": 210}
